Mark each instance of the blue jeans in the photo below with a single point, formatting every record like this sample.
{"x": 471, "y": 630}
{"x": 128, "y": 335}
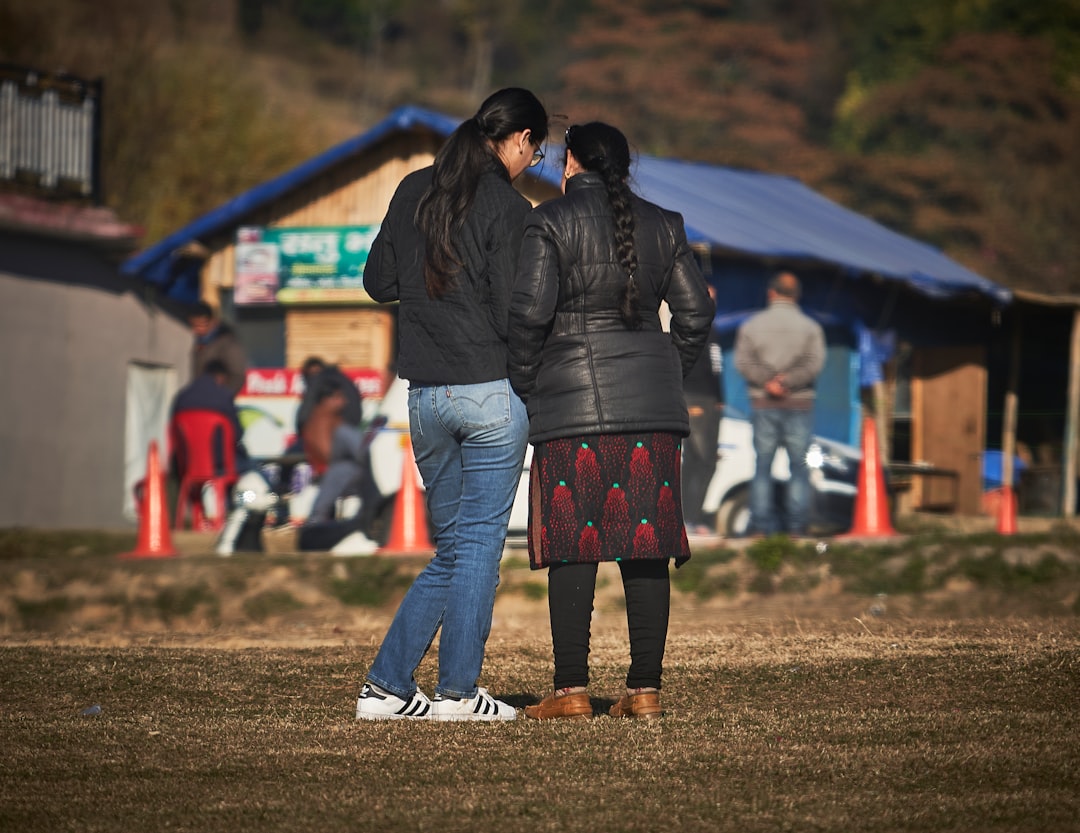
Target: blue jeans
{"x": 776, "y": 428}
{"x": 349, "y": 462}
{"x": 469, "y": 442}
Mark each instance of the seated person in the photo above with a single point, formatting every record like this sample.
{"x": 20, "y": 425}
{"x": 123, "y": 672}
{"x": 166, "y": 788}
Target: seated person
{"x": 320, "y": 377}
{"x": 320, "y": 427}
{"x": 210, "y": 392}
{"x": 332, "y": 443}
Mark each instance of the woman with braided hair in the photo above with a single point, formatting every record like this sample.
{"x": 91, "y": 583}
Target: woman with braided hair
{"x": 602, "y": 382}
{"x": 447, "y": 252}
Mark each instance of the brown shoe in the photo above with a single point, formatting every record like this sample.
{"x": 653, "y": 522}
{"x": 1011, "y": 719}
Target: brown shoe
{"x": 645, "y": 706}
{"x": 566, "y": 705}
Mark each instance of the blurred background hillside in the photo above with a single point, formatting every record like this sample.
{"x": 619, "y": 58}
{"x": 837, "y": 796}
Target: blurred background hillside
{"x": 954, "y": 121}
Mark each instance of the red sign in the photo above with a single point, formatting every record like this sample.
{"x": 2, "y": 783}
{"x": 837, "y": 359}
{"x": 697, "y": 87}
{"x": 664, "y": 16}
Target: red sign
{"x": 285, "y": 381}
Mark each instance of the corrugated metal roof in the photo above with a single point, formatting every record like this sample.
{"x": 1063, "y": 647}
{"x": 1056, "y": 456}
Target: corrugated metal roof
{"x": 93, "y": 224}
{"x": 779, "y": 217}
{"x": 741, "y": 211}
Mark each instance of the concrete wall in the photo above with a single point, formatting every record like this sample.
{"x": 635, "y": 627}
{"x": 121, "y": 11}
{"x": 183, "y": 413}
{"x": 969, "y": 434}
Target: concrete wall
{"x": 69, "y": 327}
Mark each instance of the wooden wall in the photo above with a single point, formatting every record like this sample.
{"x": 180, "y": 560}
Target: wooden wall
{"x": 948, "y": 409}
{"x": 357, "y": 192}
{"x": 346, "y": 336}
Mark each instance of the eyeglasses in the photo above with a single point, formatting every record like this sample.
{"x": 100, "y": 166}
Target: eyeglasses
{"x": 537, "y": 158}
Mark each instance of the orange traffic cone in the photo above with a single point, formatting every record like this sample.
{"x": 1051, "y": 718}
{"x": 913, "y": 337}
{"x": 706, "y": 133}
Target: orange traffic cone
{"x": 154, "y": 540}
{"x": 1006, "y": 522}
{"x": 871, "y": 519}
{"x": 408, "y": 530}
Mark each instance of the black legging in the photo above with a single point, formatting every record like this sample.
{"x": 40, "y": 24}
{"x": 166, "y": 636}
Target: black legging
{"x": 647, "y": 588}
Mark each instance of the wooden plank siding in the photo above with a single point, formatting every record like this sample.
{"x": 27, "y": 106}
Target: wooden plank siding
{"x": 356, "y": 192}
{"x": 347, "y": 336}
{"x": 948, "y": 399}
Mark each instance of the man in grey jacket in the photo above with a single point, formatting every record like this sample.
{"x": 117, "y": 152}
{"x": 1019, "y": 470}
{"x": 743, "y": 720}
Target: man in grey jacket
{"x": 216, "y": 341}
{"x": 780, "y": 352}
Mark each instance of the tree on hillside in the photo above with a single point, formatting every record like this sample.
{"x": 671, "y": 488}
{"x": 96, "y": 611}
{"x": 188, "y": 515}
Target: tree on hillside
{"x": 893, "y": 40}
{"x": 694, "y": 81}
{"x": 456, "y": 52}
{"x": 955, "y": 122}
{"x": 185, "y": 126}
{"x": 979, "y": 152}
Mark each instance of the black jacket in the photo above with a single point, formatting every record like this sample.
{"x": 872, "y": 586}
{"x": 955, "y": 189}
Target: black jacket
{"x": 573, "y": 360}
{"x": 205, "y": 394}
{"x": 461, "y": 337}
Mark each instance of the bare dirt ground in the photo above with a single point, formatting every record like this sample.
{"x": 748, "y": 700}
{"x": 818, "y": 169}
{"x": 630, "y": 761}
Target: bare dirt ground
{"x": 201, "y": 693}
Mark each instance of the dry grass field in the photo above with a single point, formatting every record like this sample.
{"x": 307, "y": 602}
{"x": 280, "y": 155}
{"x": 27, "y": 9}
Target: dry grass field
{"x": 934, "y": 686}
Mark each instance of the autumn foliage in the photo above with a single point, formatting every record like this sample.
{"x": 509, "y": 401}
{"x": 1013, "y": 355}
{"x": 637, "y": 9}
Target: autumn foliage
{"x": 957, "y": 122}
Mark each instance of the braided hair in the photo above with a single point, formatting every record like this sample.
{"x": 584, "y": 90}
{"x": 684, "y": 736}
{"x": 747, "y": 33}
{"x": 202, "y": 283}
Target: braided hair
{"x": 468, "y": 152}
{"x": 603, "y": 149}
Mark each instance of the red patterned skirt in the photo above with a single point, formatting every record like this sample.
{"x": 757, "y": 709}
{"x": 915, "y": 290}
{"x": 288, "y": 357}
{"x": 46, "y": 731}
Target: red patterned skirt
{"x": 606, "y": 497}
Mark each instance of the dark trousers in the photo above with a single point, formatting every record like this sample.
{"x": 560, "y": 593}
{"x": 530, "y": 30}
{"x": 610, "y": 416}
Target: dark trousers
{"x": 699, "y": 457}
{"x": 571, "y": 588}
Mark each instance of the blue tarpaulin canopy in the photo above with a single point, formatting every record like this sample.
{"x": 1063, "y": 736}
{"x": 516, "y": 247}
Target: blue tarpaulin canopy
{"x": 744, "y": 212}
{"x": 779, "y": 217}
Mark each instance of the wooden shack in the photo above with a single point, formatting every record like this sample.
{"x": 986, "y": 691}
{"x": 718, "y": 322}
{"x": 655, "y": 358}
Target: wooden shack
{"x": 873, "y": 284}
{"x": 348, "y": 187}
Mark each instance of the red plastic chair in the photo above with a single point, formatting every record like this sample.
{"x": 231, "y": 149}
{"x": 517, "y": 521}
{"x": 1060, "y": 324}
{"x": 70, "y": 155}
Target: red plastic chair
{"x": 192, "y": 435}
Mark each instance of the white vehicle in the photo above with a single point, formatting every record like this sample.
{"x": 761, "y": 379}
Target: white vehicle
{"x": 834, "y": 469}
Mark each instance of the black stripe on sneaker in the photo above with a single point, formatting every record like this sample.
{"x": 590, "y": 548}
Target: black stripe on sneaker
{"x": 414, "y": 708}
{"x": 484, "y": 705}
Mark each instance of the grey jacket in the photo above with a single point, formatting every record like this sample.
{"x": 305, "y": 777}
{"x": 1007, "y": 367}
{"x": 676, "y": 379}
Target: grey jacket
{"x": 225, "y": 347}
{"x": 780, "y": 339}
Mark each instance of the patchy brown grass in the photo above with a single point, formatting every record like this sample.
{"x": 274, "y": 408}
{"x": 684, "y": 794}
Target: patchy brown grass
{"x": 929, "y": 684}
{"x": 773, "y": 725}
{"x": 63, "y": 585}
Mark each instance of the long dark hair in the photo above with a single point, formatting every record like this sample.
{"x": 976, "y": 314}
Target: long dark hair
{"x": 603, "y": 149}
{"x": 458, "y": 165}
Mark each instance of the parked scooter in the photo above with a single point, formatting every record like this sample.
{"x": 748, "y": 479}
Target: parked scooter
{"x": 261, "y": 492}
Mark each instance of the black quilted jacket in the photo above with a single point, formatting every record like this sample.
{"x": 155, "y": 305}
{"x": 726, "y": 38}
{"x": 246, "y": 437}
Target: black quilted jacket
{"x": 580, "y": 370}
{"x": 461, "y": 337}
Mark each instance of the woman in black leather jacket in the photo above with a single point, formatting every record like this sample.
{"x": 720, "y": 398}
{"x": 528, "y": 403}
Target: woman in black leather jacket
{"x": 602, "y": 383}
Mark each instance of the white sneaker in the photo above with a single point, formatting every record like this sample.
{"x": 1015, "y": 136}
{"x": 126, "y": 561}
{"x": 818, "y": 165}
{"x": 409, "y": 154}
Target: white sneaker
{"x": 355, "y": 544}
{"x": 481, "y": 707}
{"x": 376, "y": 704}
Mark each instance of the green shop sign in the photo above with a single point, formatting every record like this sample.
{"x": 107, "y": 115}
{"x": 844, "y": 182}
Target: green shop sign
{"x": 302, "y": 265}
